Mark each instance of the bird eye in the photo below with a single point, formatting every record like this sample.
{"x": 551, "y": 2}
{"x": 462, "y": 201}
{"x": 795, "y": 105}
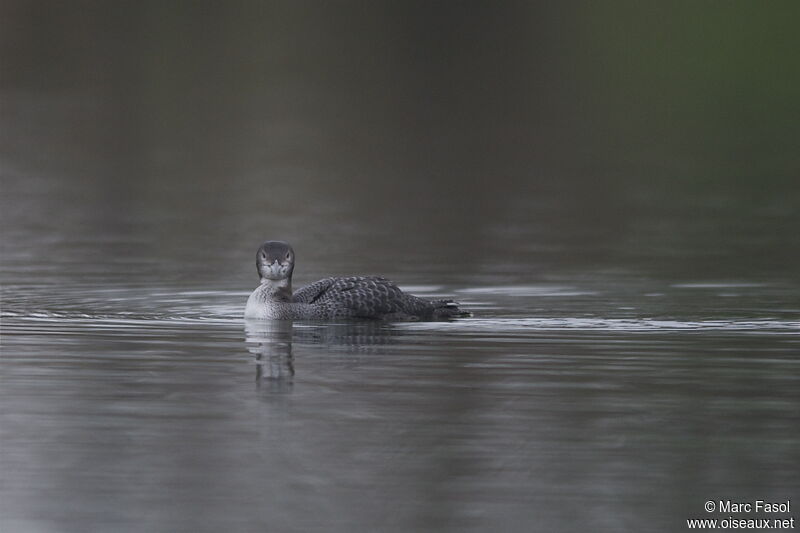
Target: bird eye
{"x": 288, "y": 255}
{"x": 263, "y": 255}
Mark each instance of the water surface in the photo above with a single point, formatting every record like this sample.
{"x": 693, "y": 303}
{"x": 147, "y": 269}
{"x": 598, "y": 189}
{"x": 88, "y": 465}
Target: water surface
{"x": 161, "y": 409}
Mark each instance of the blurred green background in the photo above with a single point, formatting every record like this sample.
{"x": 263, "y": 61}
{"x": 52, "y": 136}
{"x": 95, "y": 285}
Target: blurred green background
{"x": 658, "y": 137}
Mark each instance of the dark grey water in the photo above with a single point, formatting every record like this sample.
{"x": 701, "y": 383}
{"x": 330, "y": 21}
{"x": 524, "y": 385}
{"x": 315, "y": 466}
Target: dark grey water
{"x": 631, "y": 261}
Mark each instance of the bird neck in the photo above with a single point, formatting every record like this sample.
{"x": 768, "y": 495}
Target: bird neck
{"x": 277, "y": 289}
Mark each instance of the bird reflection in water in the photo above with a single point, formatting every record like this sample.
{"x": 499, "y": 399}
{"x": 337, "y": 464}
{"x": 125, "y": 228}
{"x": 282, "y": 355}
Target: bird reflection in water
{"x": 271, "y": 343}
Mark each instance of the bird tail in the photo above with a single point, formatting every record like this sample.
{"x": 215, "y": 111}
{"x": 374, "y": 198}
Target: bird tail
{"x": 448, "y": 309}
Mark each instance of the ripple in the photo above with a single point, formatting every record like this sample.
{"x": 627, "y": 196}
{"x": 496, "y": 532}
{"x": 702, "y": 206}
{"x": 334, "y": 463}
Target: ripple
{"x": 717, "y": 285}
{"x": 605, "y": 324}
{"x": 529, "y": 290}
{"x": 117, "y": 320}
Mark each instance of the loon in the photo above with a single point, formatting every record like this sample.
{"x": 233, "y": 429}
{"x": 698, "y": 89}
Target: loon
{"x": 369, "y": 297}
